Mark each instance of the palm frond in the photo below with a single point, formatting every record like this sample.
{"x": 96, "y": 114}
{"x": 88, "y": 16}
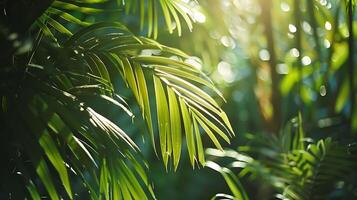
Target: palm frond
{"x": 181, "y": 105}
{"x": 64, "y": 138}
{"x": 70, "y": 139}
{"x": 74, "y": 140}
{"x": 60, "y": 12}
{"x": 232, "y": 181}
{"x": 150, "y": 11}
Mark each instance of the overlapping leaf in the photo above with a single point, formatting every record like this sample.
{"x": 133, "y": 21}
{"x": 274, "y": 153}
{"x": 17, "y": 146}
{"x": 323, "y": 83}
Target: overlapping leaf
{"x": 73, "y": 139}
{"x": 181, "y": 105}
{"x": 98, "y": 152}
{"x": 296, "y": 171}
{"x": 232, "y": 181}
{"x": 61, "y": 11}
{"x": 173, "y": 11}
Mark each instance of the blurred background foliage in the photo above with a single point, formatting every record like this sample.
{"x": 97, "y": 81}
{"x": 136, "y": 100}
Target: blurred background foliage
{"x": 271, "y": 59}
{"x": 296, "y": 53}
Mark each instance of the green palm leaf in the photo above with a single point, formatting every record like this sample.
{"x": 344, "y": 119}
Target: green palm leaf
{"x": 124, "y": 52}
{"x": 62, "y": 134}
{"x": 150, "y": 10}
{"x": 232, "y": 181}
{"x": 67, "y": 139}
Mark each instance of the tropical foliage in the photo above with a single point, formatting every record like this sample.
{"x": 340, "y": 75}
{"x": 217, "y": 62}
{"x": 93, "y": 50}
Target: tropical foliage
{"x": 54, "y": 135}
{"x": 296, "y": 56}
{"x": 296, "y": 170}
{"x": 97, "y": 104}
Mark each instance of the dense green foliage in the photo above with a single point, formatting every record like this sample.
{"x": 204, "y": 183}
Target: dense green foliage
{"x": 56, "y": 134}
{"x": 97, "y": 104}
{"x": 320, "y": 170}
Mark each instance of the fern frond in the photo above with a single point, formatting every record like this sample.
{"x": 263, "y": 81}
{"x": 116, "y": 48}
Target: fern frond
{"x": 321, "y": 165}
{"x": 297, "y": 171}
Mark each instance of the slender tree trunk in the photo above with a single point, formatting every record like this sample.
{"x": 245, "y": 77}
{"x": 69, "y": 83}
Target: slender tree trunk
{"x": 334, "y": 30}
{"x": 351, "y": 61}
{"x": 311, "y": 13}
{"x": 297, "y": 17}
{"x": 266, "y": 6}
{"x": 312, "y": 19}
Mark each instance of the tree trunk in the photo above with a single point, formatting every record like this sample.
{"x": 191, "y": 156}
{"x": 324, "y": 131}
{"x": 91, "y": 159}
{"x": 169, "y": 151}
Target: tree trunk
{"x": 266, "y": 6}
{"x": 351, "y": 62}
